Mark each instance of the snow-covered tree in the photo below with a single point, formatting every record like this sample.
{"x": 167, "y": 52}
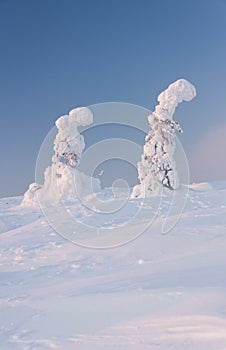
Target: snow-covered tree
{"x": 68, "y": 147}
{"x": 60, "y": 177}
{"x": 157, "y": 168}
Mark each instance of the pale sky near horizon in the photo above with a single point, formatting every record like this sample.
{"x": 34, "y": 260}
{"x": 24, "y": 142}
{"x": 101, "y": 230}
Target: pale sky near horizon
{"x": 59, "y": 54}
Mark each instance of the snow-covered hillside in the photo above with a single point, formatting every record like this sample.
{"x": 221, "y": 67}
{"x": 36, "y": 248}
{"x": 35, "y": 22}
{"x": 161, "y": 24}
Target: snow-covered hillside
{"x": 157, "y": 292}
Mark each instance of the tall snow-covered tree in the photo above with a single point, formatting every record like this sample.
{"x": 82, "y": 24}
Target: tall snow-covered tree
{"x": 157, "y": 168}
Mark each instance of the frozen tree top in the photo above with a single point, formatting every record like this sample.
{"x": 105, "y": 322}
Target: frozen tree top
{"x": 67, "y": 124}
{"x": 180, "y": 90}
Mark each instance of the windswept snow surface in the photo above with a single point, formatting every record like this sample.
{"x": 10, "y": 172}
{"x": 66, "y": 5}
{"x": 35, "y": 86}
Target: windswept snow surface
{"x": 157, "y": 292}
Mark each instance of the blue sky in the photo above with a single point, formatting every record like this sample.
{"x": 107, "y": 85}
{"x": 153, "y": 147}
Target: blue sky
{"x": 56, "y": 55}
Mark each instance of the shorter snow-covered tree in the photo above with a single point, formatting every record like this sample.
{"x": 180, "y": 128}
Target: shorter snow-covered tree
{"x": 157, "y": 168}
{"x": 60, "y": 177}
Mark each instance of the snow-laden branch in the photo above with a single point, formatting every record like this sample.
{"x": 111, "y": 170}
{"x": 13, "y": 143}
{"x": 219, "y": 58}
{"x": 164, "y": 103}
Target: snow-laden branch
{"x": 180, "y": 90}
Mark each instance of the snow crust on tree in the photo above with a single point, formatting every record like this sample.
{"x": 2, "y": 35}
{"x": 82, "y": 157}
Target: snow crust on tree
{"x": 61, "y": 179}
{"x": 157, "y": 167}
{"x": 29, "y": 195}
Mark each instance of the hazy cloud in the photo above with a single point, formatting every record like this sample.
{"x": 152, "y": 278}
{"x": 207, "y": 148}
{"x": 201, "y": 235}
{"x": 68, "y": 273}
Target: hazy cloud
{"x": 208, "y": 158}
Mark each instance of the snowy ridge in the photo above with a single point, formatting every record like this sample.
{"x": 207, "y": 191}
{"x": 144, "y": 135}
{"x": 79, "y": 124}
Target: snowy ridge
{"x": 157, "y": 292}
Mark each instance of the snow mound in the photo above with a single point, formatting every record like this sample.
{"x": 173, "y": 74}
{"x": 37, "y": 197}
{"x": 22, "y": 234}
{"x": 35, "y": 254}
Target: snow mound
{"x": 159, "y": 291}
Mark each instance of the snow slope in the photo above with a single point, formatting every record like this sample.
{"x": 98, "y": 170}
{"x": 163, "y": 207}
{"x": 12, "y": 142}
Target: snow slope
{"x": 157, "y": 292}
